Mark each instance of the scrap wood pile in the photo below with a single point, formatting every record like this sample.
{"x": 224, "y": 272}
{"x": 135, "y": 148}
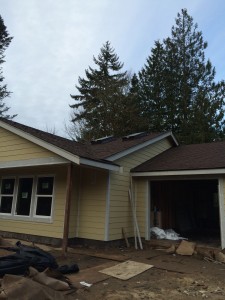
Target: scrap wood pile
{"x": 189, "y": 248}
{"x": 31, "y": 273}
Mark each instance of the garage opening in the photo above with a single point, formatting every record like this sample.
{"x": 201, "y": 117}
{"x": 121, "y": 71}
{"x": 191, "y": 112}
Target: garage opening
{"x": 190, "y": 207}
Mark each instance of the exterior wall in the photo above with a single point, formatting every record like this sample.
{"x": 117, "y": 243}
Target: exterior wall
{"x": 120, "y": 209}
{"x": 222, "y": 209}
{"x": 13, "y": 147}
{"x": 41, "y": 228}
{"x": 74, "y": 213}
{"x": 92, "y": 204}
{"x": 142, "y": 204}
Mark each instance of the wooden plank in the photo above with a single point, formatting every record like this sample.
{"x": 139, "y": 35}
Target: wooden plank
{"x": 90, "y": 275}
{"x": 115, "y": 257}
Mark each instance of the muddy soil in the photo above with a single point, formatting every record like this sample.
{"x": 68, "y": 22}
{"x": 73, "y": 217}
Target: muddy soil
{"x": 172, "y": 277}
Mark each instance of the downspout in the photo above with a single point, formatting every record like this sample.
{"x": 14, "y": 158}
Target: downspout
{"x": 67, "y": 208}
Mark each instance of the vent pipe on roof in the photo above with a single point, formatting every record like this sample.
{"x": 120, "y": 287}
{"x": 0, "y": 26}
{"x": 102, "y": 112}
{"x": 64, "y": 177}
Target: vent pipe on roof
{"x": 103, "y": 140}
{"x": 134, "y": 136}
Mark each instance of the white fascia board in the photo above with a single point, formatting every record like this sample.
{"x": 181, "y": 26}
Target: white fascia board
{"x": 177, "y": 173}
{"x": 142, "y": 145}
{"x": 98, "y": 164}
{"x": 65, "y": 154}
{"x": 33, "y": 162}
{"x": 221, "y": 210}
{"x": 174, "y": 139}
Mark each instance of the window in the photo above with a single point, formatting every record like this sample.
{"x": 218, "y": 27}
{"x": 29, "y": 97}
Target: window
{"x": 44, "y": 196}
{"x": 27, "y": 197}
{"x": 24, "y": 196}
{"x": 6, "y": 196}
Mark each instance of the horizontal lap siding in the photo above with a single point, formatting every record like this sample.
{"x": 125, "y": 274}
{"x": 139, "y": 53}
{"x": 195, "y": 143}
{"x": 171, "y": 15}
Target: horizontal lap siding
{"x": 13, "y": 147}
{"x": 54, "y": 229}
{"x": 141, "y": 189}
{"x": 223, "y": 221}
{"x": 92, "y": 204}
{"x": 74, "y": 203}
{"x": 120, "y": 209}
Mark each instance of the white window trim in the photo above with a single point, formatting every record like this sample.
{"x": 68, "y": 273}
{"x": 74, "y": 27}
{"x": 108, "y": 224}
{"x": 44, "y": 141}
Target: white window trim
{"x": 32, "y": 216}
{"x": 36, "y": 196}
{"x": 10, "y": 195}
{"x": 14, "y": 213}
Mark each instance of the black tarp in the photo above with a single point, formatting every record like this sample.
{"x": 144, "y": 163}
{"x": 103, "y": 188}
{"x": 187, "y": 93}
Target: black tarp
{"x": 27, "y": 256}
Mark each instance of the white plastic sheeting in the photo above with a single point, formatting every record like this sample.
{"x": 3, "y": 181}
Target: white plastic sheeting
{"x": 168, "y": 234}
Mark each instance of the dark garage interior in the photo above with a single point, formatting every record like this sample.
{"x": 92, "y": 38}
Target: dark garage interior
{"x": 190, "y": 207}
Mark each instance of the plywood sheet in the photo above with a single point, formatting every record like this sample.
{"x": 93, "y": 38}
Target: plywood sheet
{"x": 89, "y": 275}
{"x": 127, "y": 269}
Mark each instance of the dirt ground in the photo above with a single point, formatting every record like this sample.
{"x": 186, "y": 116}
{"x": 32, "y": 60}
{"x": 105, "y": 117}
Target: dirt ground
{"x": 172, "y": 277}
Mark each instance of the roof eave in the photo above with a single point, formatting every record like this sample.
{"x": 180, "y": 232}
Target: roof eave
{"x": 63, "y": 153}
{"x": 99, "y": 164}
{"x": 59, "y": 151}
{"x": 179, "y": 172}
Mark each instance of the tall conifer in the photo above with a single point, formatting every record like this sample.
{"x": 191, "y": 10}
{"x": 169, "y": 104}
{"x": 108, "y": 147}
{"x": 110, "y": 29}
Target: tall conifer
{"x": 182, "y": 91}
{"x": 104, "y": 104}
{"x": 5, "y": 40}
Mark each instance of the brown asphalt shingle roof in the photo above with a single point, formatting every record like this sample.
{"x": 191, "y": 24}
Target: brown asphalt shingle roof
{"x": 98, "y": 152}
{"x": 187, "y": 157}
{"x": 118, "y": 145}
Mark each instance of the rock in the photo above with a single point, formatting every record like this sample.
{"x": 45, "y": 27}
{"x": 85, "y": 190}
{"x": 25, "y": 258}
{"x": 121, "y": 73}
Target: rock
{"x": 219, "y": 256}
{"x": 171, "y": 249}
{"x": 223, "y": 250}
{"x": 186, "y": 248}
{"x": 204, "y": 252}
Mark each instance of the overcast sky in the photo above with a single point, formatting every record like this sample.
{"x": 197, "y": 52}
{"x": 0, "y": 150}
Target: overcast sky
{"x": 54, "y": 42}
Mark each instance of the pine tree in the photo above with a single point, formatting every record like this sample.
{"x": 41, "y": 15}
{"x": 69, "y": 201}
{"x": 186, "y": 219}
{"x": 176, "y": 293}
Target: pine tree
{"x": 183, "y": 85}
{"x": 151, "y": 90}
{"x": 199, "y": 98}
{"x": 5, "y": 40}
{"x": 104, "y": 105}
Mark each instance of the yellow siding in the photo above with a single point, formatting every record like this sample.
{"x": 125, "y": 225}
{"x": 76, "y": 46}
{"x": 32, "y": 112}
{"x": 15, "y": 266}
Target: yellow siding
{"x": 13, "y": 147}
{"x": 141, "y": 194}
{"x": 120, "y": 209}
{"x": 74, "y": 203}
{"x": 223, "y": 197}
{"x": 54, "y": 229}
{"x": 92, "y": 204}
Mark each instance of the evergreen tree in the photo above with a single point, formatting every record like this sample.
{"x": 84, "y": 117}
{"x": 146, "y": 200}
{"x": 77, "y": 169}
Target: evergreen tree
{"x": 105, "y": 105}
{"x": 151, "y": 90}
{"x": 181, "y": 90}
{"x": 5, "y": 40}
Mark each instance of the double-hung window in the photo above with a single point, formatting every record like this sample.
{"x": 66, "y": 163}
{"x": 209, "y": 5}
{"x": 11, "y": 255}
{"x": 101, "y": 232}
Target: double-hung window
{"x": 24, "y": 196}
{"x": 7, "y": 194}
{"x": 44, "y": 194}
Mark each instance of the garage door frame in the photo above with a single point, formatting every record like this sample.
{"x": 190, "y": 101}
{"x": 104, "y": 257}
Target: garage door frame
{"x": 221, "y": 187}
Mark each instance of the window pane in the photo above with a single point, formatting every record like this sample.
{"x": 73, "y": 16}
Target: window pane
{"x": 7, "y": 186}
{"x": 45, "y": 186}
{"x": 6, "y": 204}
{"x": 24, "y": 196}
{"x": 44, "y": 205}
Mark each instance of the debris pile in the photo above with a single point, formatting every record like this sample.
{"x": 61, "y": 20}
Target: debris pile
{"x": 168, "y": 234}
{"x": 32, "y": 273}
{"x": 189, "y": 248}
